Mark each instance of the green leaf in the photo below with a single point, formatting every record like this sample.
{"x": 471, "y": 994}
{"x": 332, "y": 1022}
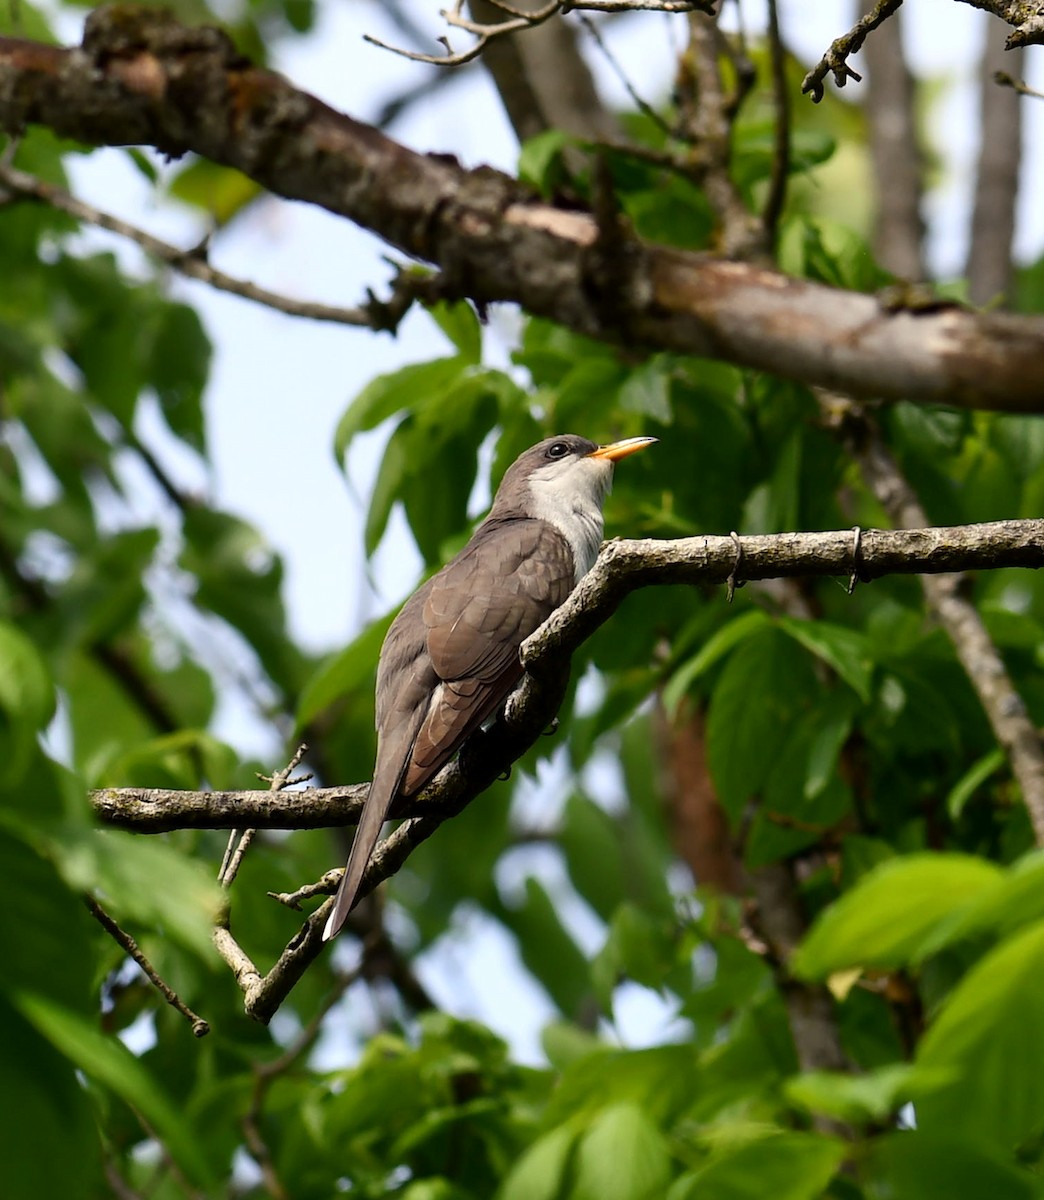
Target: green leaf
{"x": 713, "y": 649}
{"x": 886, "y": 920}
{"x": 755, "y": 702}
{"x": 564, "y": 1043}
{"x": 124, "y": 869}
{"x": 1013, "y": 901}
{"x": 825, "y": 750}
{"x": 637, "y": 948}
{"x": 109, "y": 1062}
{"x": 591, "y": 842}
{"x": 240, "y": 579}
{"x": 221, "y": 192}
{"x": 661, "y": 1081}
{"x": 44, "y": 929}
{"x": 460, "y": 324}
{"x": 548, "y": 949}
{"x": 989, "y": 1041}
{"x": 47, "y": 1107}
{"x": 647, "y": 390}
{"x": 541, "y": 1173}
{"x": 623, "y": 1156}
{"x": 27, "y": 701}
{"x": 540, "y": 160}
{"x": 972, "y": 779}
{"x": 852, "y": 1098}
{"x": 915, "y": 1165}
{"x": 785, "y": 1166}
{"x": 401, "y": 391}
{"x": 845, "y": 650}
{"x": 387, "y": 488}
{"x": 26, "y": 692}
{"x": 180, "y": 365}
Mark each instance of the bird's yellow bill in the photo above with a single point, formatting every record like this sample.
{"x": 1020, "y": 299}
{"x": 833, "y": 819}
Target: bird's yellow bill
{"x": 618, "y": 450}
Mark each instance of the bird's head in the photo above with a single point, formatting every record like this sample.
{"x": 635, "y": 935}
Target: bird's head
{"x": 567, "y": 472}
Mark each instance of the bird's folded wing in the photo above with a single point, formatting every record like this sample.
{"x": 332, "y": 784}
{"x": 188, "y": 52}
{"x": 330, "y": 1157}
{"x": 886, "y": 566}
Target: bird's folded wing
{"x": 477, "y": 612}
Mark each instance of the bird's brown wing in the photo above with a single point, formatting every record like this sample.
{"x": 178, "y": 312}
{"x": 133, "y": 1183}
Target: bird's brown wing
{"x": 477, "y": 612}
{"x": 449, "y": 659}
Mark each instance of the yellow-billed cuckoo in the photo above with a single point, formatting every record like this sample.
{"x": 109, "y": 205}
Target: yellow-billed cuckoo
{"x": 450, "y": 657}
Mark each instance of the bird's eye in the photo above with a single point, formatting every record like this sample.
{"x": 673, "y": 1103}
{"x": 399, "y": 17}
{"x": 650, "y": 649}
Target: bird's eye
{"x": 557, "y": 450}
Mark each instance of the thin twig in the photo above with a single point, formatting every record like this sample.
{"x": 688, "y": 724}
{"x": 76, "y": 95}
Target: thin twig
{"x": 239, "y": 840}
{"x": 835, "y": 61}
{"x": 1019, "y": 85}
{"x": 519, "y": 19}
{"x": 192, "y": 263}
{"x": 200, "y": 1028}
{"x": 642, "y": 105}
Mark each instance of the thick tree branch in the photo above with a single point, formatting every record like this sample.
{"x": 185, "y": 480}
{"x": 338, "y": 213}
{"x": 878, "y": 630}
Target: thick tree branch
{"x": 623, "y": 566}
{"x": 140, "y": 78}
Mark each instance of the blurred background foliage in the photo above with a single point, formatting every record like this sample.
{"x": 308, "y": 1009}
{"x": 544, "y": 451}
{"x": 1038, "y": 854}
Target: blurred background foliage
{"x": 835, "y": 736}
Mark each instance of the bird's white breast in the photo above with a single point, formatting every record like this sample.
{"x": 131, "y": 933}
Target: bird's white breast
{"x": 571, "y": 500}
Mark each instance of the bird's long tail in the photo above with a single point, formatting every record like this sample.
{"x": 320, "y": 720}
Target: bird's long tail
{"x": 383, "y": 790}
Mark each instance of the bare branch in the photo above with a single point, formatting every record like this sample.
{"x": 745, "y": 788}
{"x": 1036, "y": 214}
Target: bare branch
{"x": 520, "y": 19}
{"x": 1003, "y": 79}
{"x": 835, "y": 61}
{"x": 200, "y": 1028}
{"x": 1027, "y": 20}
{"x": 156, "y": 810}
{"x": 193, "y": 263}
{"x": 157, "y": 83}
{"x": 239, "y": 840}
{"x": 706, "y": 112}
{"x": 622, "y": 567}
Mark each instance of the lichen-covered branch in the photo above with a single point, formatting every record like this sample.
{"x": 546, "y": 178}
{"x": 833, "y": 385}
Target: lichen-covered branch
{"x": 140, "y": 78}
{"x": 622, "y": 567}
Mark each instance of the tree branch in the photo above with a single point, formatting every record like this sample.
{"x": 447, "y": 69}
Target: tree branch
{"x": 519, "y": 19}
{"x": 193, "y": 263}
{"x": 835, "y": 61}
{"x": 140, "y": 78}
{"x": 621, "y": 568}
{"x": 1027, "y": 21}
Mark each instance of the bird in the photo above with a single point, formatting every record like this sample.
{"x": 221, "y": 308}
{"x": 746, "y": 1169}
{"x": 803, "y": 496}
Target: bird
{"x": 451, "y": 656}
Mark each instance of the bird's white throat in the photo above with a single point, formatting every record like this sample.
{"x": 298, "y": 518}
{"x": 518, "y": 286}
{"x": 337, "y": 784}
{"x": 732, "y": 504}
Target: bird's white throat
{"x": 569, "y": 495}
